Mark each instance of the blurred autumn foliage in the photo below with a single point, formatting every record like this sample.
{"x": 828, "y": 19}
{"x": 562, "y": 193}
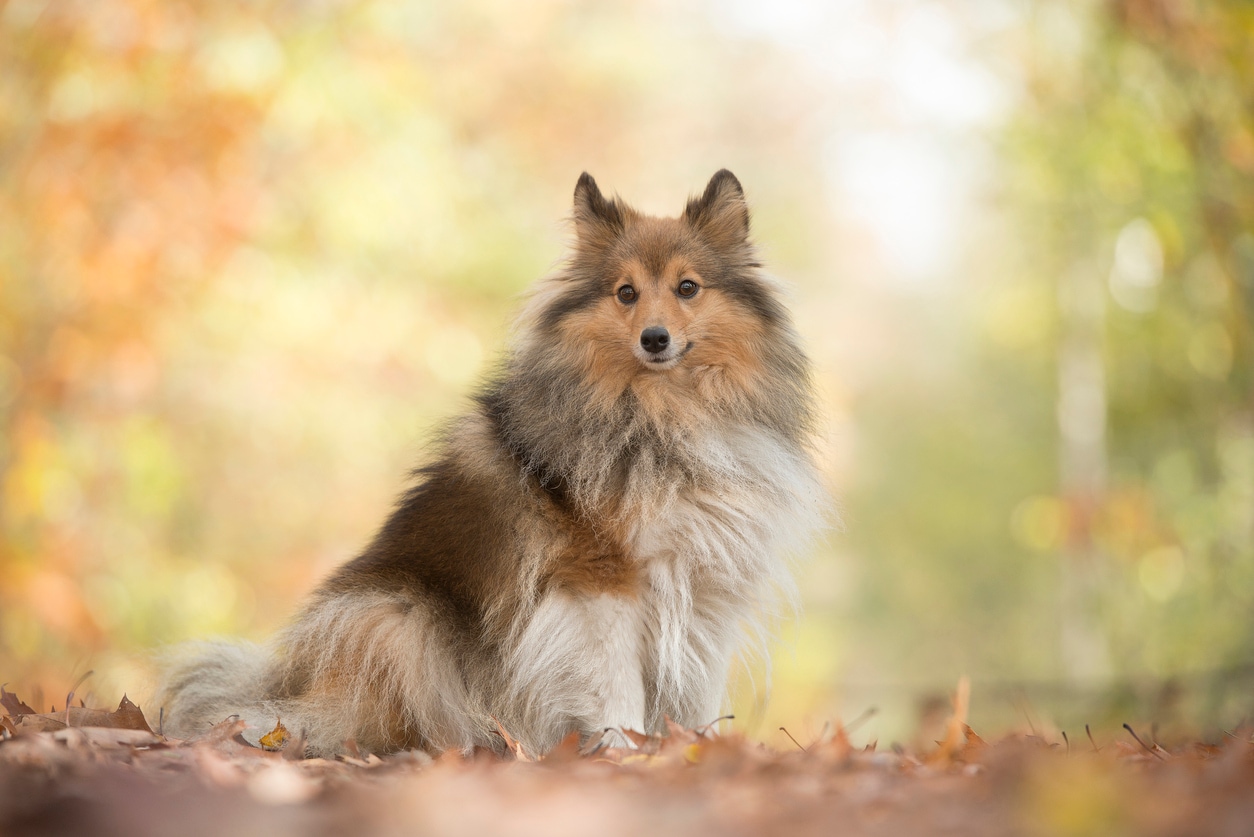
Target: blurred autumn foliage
{"x": 251, "y": 253}
{"x": 226, "y": 229}
{"x": 130, "y": 175}
{"x": 1133, "y": 165}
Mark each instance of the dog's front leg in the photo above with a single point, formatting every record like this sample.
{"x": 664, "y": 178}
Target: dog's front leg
{"x": 579, "y": 665}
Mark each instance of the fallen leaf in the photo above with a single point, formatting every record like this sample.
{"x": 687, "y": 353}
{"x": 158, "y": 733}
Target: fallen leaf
{"x": 679, "y": 733}
{"x": 955, "y": 735}
{"x": 834, "y": 744}
{"x": 511, "y": 743}
{"x": 567, "y": 750}
{"x": 13, "y": 705}
{"x": 277, "y": 738}
{"x": 126, "y": 716}
{"x": 225, "y": 735}
{"x": 974, "y": 747}
{"x": 638, "y": 738}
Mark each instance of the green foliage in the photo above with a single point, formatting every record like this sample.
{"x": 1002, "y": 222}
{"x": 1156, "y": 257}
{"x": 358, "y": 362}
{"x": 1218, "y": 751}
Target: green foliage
{"x": 1135, "y": 164}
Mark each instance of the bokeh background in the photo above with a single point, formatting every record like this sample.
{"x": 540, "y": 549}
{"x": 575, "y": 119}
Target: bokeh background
{"x": 251, "y": 254}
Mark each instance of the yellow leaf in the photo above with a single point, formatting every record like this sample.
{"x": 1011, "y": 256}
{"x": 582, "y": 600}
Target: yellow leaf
{"x": 277, "y": 738}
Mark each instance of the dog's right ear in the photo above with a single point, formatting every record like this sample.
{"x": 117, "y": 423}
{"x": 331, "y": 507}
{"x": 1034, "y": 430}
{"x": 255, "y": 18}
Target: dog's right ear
{"x": 721, "y": 213}
{"x": 595, "y": 217}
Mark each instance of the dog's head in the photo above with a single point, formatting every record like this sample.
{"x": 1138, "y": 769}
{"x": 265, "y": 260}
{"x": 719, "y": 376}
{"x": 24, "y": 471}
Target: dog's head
{"x": 645, "y": 296}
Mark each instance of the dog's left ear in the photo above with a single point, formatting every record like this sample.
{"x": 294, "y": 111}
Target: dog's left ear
{"x": 721, "y": 214}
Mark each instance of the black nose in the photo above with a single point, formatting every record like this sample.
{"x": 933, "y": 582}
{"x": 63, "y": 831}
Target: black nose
{"x": 655, "y": 339}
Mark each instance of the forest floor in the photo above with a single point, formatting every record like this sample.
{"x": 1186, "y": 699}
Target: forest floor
{"x": 106, "y": 773}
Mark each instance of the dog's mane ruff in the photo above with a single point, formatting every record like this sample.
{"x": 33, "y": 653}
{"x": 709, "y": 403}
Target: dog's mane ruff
{"x": 559, "y": 423}
{"x": 383, "y": 681}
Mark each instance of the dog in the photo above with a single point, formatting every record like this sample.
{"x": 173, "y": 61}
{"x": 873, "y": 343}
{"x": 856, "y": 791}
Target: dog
{"x": 600, "y": 535}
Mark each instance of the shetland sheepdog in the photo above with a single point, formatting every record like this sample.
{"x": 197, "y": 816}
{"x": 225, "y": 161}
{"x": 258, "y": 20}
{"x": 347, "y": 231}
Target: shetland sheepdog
{"x": 598, "y": 538}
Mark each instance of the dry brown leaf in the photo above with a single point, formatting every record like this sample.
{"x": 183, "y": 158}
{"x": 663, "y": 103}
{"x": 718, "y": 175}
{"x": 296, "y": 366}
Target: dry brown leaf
{"x": 974, "y": 747}
{"x": 511, "y": 743}
{"x": 638, "y": 738}
{"x": 567, "y": 750}
{"x": 13, "y": 705}
{"x": 126, "y": 716}
{"x": 226, "y": 735}
{"x": 834, "y": 745}
{"x": 678, "y": 733}
{"x": 677, "y": 741}
{"x": 730, "y": 752}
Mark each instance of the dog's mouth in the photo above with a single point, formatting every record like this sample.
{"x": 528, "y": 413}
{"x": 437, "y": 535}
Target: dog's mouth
{"x": 665, "y": 360}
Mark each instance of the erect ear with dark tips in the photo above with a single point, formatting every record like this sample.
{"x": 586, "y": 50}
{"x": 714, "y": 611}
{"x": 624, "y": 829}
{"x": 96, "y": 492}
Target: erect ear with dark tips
{"x": 593, "y": 213}
{"x": 721, "y": 213}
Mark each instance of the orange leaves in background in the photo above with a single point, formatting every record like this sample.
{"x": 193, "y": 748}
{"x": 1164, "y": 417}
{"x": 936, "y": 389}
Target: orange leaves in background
{"x": 129, "y": 174}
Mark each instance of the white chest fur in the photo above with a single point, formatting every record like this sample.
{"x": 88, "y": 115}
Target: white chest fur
{"x": 717, "y": 569}
{"x": 712, "y": 543}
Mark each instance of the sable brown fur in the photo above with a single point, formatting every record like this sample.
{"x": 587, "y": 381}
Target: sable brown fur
{"x": 601, "y": 534}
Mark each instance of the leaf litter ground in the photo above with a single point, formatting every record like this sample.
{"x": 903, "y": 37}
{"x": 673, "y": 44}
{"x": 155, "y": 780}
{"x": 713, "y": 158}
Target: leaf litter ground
{"x": 107, "y": 773}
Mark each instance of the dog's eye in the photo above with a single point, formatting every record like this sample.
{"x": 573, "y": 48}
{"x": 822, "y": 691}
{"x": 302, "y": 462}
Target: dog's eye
{"x": 688, "y": 288}
{"x": 626, "y": 294}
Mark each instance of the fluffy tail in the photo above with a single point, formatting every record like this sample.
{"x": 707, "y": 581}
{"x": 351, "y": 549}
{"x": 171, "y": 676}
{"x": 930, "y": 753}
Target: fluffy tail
{"x": 204, "y": 683}
{"x": 371, "y": 669}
